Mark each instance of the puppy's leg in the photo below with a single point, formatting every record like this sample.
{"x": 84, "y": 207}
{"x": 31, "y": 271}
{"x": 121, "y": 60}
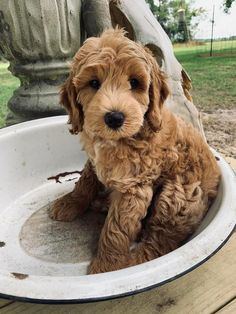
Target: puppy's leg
{"x": 102, "y": 202}
{"x": 177, "y": 212}
{"x": 75, "y": 203}
{"x": 122, "y": 225}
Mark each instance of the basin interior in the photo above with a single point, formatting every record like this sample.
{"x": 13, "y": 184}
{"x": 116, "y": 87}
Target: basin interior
{"x": 61, "y": 242}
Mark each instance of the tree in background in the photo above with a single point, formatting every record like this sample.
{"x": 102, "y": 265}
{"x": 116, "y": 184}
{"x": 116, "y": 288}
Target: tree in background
{"x": 227, "y": 5}
{"x": 178, "y": 18}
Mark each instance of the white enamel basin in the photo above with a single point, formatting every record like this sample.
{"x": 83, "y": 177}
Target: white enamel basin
{"x": 45, "y": 261}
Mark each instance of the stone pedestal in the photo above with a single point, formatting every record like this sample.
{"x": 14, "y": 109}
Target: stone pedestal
{"x": 38, "y": 38}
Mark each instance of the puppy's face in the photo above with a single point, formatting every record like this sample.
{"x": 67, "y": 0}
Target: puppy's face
{"x": 111, "y": 89}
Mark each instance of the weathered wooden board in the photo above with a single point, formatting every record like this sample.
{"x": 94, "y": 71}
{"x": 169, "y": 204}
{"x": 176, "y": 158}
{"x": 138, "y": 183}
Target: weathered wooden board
{"x": 204, "y": 290}
{"x": 232, "y": 162}
{"x": 4, "y": 303}
{"x": 229, "y": 308}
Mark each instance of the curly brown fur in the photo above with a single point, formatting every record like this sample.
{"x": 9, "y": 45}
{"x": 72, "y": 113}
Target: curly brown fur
{"x": 153, "y": 157}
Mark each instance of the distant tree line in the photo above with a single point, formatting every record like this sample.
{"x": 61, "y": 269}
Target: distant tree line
{"x": 178, "y": 18}
{"x": 227, "y": 5}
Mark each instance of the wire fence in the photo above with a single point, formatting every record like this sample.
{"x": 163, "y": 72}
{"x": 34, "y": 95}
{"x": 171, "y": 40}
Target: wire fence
{"x": 218, "y": 47}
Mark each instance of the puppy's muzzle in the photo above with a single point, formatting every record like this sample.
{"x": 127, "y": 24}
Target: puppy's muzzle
{"x": 114, "y": 119}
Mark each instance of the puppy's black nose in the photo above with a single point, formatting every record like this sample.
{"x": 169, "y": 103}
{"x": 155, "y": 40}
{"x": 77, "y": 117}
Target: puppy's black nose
{"x": 114, "y": 119}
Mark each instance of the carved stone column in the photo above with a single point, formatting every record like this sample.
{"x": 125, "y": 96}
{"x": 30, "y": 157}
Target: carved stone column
{"x": 38, "y": 38}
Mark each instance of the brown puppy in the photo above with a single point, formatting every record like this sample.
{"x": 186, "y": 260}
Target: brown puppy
{"x": 138, "y": 149}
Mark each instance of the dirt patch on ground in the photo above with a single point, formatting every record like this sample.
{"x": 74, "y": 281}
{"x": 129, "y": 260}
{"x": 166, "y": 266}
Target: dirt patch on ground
{"x": 220, "y": 130}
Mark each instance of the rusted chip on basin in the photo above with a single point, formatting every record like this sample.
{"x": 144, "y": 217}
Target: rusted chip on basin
{"x": 20, "y": 276}
{"x": 64, "y": 174}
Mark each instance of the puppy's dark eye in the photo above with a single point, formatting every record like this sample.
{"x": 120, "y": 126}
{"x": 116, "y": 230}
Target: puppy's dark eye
{"x": 95, "y": 84}
{"x": 134, "y": 83}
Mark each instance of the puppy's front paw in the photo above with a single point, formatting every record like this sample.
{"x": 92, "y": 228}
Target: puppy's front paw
{"x": 64, "y": 209}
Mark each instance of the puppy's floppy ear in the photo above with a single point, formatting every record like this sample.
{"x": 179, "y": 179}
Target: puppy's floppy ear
{"x": 68, "y": 94}
{"x": 158, "y": 92}
{"x": 68, "y": 98}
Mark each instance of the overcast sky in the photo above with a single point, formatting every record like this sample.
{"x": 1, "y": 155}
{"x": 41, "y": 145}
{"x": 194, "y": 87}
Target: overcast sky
{"x": 225, "y": 24}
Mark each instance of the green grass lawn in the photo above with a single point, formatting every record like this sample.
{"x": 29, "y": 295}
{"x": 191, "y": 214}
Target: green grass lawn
{"x": 213, "y": 78}
{"x": 8, "y": 83}
{"x": 228, "y": 46}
